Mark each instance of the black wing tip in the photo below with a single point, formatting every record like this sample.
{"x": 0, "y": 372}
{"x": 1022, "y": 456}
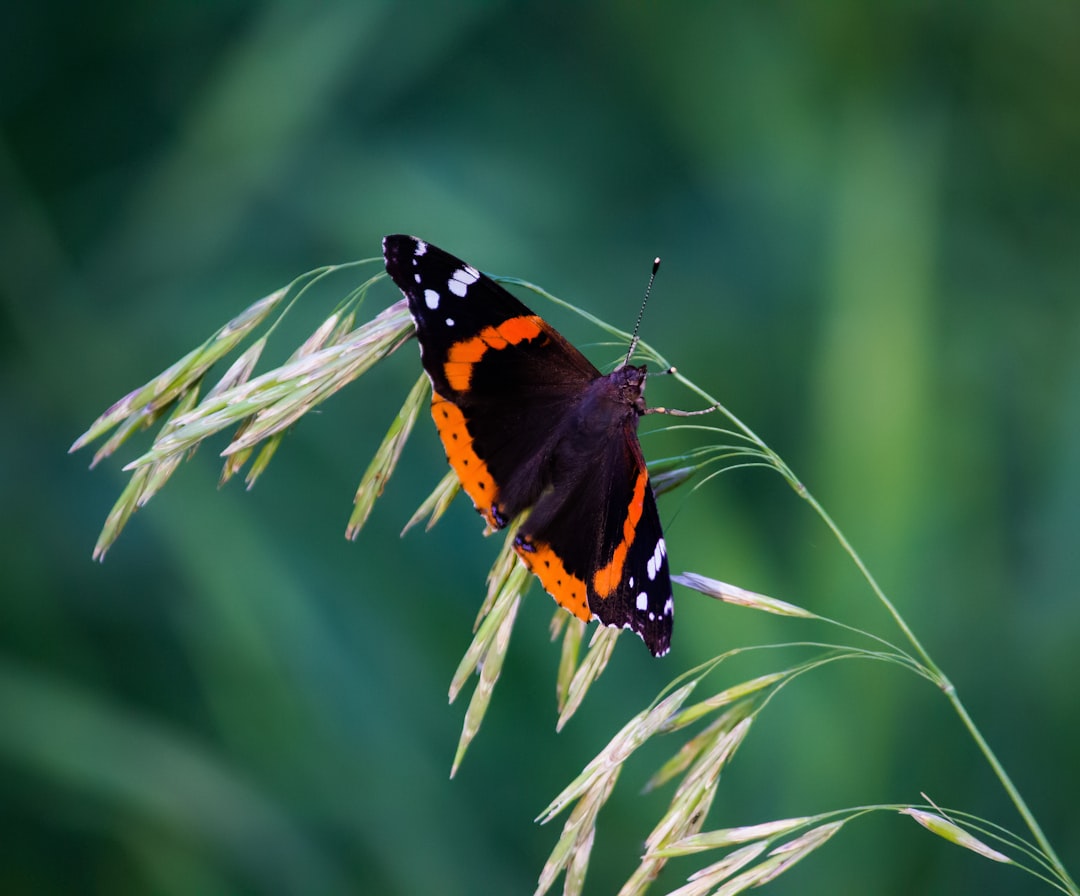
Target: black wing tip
{"x": 397, "y": 245}
{"x": 400, "y": 252}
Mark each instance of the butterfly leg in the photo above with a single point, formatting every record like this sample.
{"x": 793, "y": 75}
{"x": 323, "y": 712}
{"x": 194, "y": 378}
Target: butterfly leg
{"x": 677, "y": 413}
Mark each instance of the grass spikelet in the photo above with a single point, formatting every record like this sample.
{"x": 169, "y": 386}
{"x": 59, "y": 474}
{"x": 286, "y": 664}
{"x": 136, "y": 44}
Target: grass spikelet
{"x": 331, "y": 331}
{"x": 143, "y": 419}
{"x": 571, "y": 853}
{"x": 140, "y": 489}
{"x": 505, "y": 562}
{"x": 733, "y": 594}
{"x": 345, "y": 325}
{"x": 507, "y": 583}
{"x": 435, "y": 504}
{"x": 235, "y": 461}
{"x": 262, "y": 459}
{"x": 632, "y": 735}
{"x": 591, "y": 789}
{"x": 504, "y": 579}
{"x": 261, "y": 408}
{"x": 706, "y": 879}
{"x": 591, "y": 668}
{"x": 486, "y": 654}
{"x": 690, "y": 804}
{"x": 729, "y": 695}
{"x": 938, "y": 824}
{"x": 721, "y": 839}
{"x": 240, "y": 370}
{"x": 386, "y": 457}
{"x": 151, "y": 398}
{"x": 779, "y": 860}
{"x": 279, "y": 397}
{"x": 693, "y": 747}
{"x": 787, "y": 854}
{"x": 573, "y": 630}
{"x": 323, "y": 334}
{"x": 667, "y": 480}
{"x": 238, "y": 373}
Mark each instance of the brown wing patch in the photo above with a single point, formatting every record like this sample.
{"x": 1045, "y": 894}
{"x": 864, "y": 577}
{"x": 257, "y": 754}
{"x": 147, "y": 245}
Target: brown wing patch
{"x": 471, "y": 470}
{"x": 568, "y": 590}
{"x": 609, "y": 578}
{"x": 465, "y": 355}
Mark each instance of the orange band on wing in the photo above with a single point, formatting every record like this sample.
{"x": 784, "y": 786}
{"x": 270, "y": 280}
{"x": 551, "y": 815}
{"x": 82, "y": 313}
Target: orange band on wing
{"x": 567, "y": 589}
{"x": 464, "y": 356}
{"x": 606, "y": 580}
{"x": 471, "y": 470}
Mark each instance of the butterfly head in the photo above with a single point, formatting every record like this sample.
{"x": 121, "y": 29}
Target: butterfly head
{"x": 628, "y": 383}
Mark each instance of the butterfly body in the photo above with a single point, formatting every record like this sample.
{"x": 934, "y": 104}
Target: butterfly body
{"x": 528, "y": 422}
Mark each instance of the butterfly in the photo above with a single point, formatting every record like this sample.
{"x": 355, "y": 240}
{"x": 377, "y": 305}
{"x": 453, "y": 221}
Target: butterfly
{"x": 527, "y": 422}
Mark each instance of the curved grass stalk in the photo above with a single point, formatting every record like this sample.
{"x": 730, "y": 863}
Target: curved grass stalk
{"x": 935, "y": 673}
{"x": 771, "y": 459}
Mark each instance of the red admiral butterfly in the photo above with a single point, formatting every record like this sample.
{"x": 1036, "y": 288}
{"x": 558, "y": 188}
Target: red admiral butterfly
{"x": 528, "y": 422}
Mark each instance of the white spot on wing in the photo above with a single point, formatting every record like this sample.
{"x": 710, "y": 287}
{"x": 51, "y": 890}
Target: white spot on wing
{"x": 431, "y": 299}
{"x": 643, "y": 602}
{"x": 421, "y": 248}
{"x": 462, "y": 279}
{"x": 449, "y": 321}
{"x": 657, "y": 559}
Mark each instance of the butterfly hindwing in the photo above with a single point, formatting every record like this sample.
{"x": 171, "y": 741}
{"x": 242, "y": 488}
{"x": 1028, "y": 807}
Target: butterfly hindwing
{"x": 596, "y": 544}
{"x": 528, "y": 422}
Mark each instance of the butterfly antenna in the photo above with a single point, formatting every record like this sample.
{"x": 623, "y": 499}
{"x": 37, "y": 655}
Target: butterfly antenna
{"x": 641, "y": 312}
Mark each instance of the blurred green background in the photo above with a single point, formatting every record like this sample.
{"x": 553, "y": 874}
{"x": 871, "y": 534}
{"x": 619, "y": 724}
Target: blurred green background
{"x": 869, "y": 216}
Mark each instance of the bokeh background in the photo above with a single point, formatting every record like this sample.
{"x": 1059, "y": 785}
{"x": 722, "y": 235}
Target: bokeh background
{"x": 869, "y": 216}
